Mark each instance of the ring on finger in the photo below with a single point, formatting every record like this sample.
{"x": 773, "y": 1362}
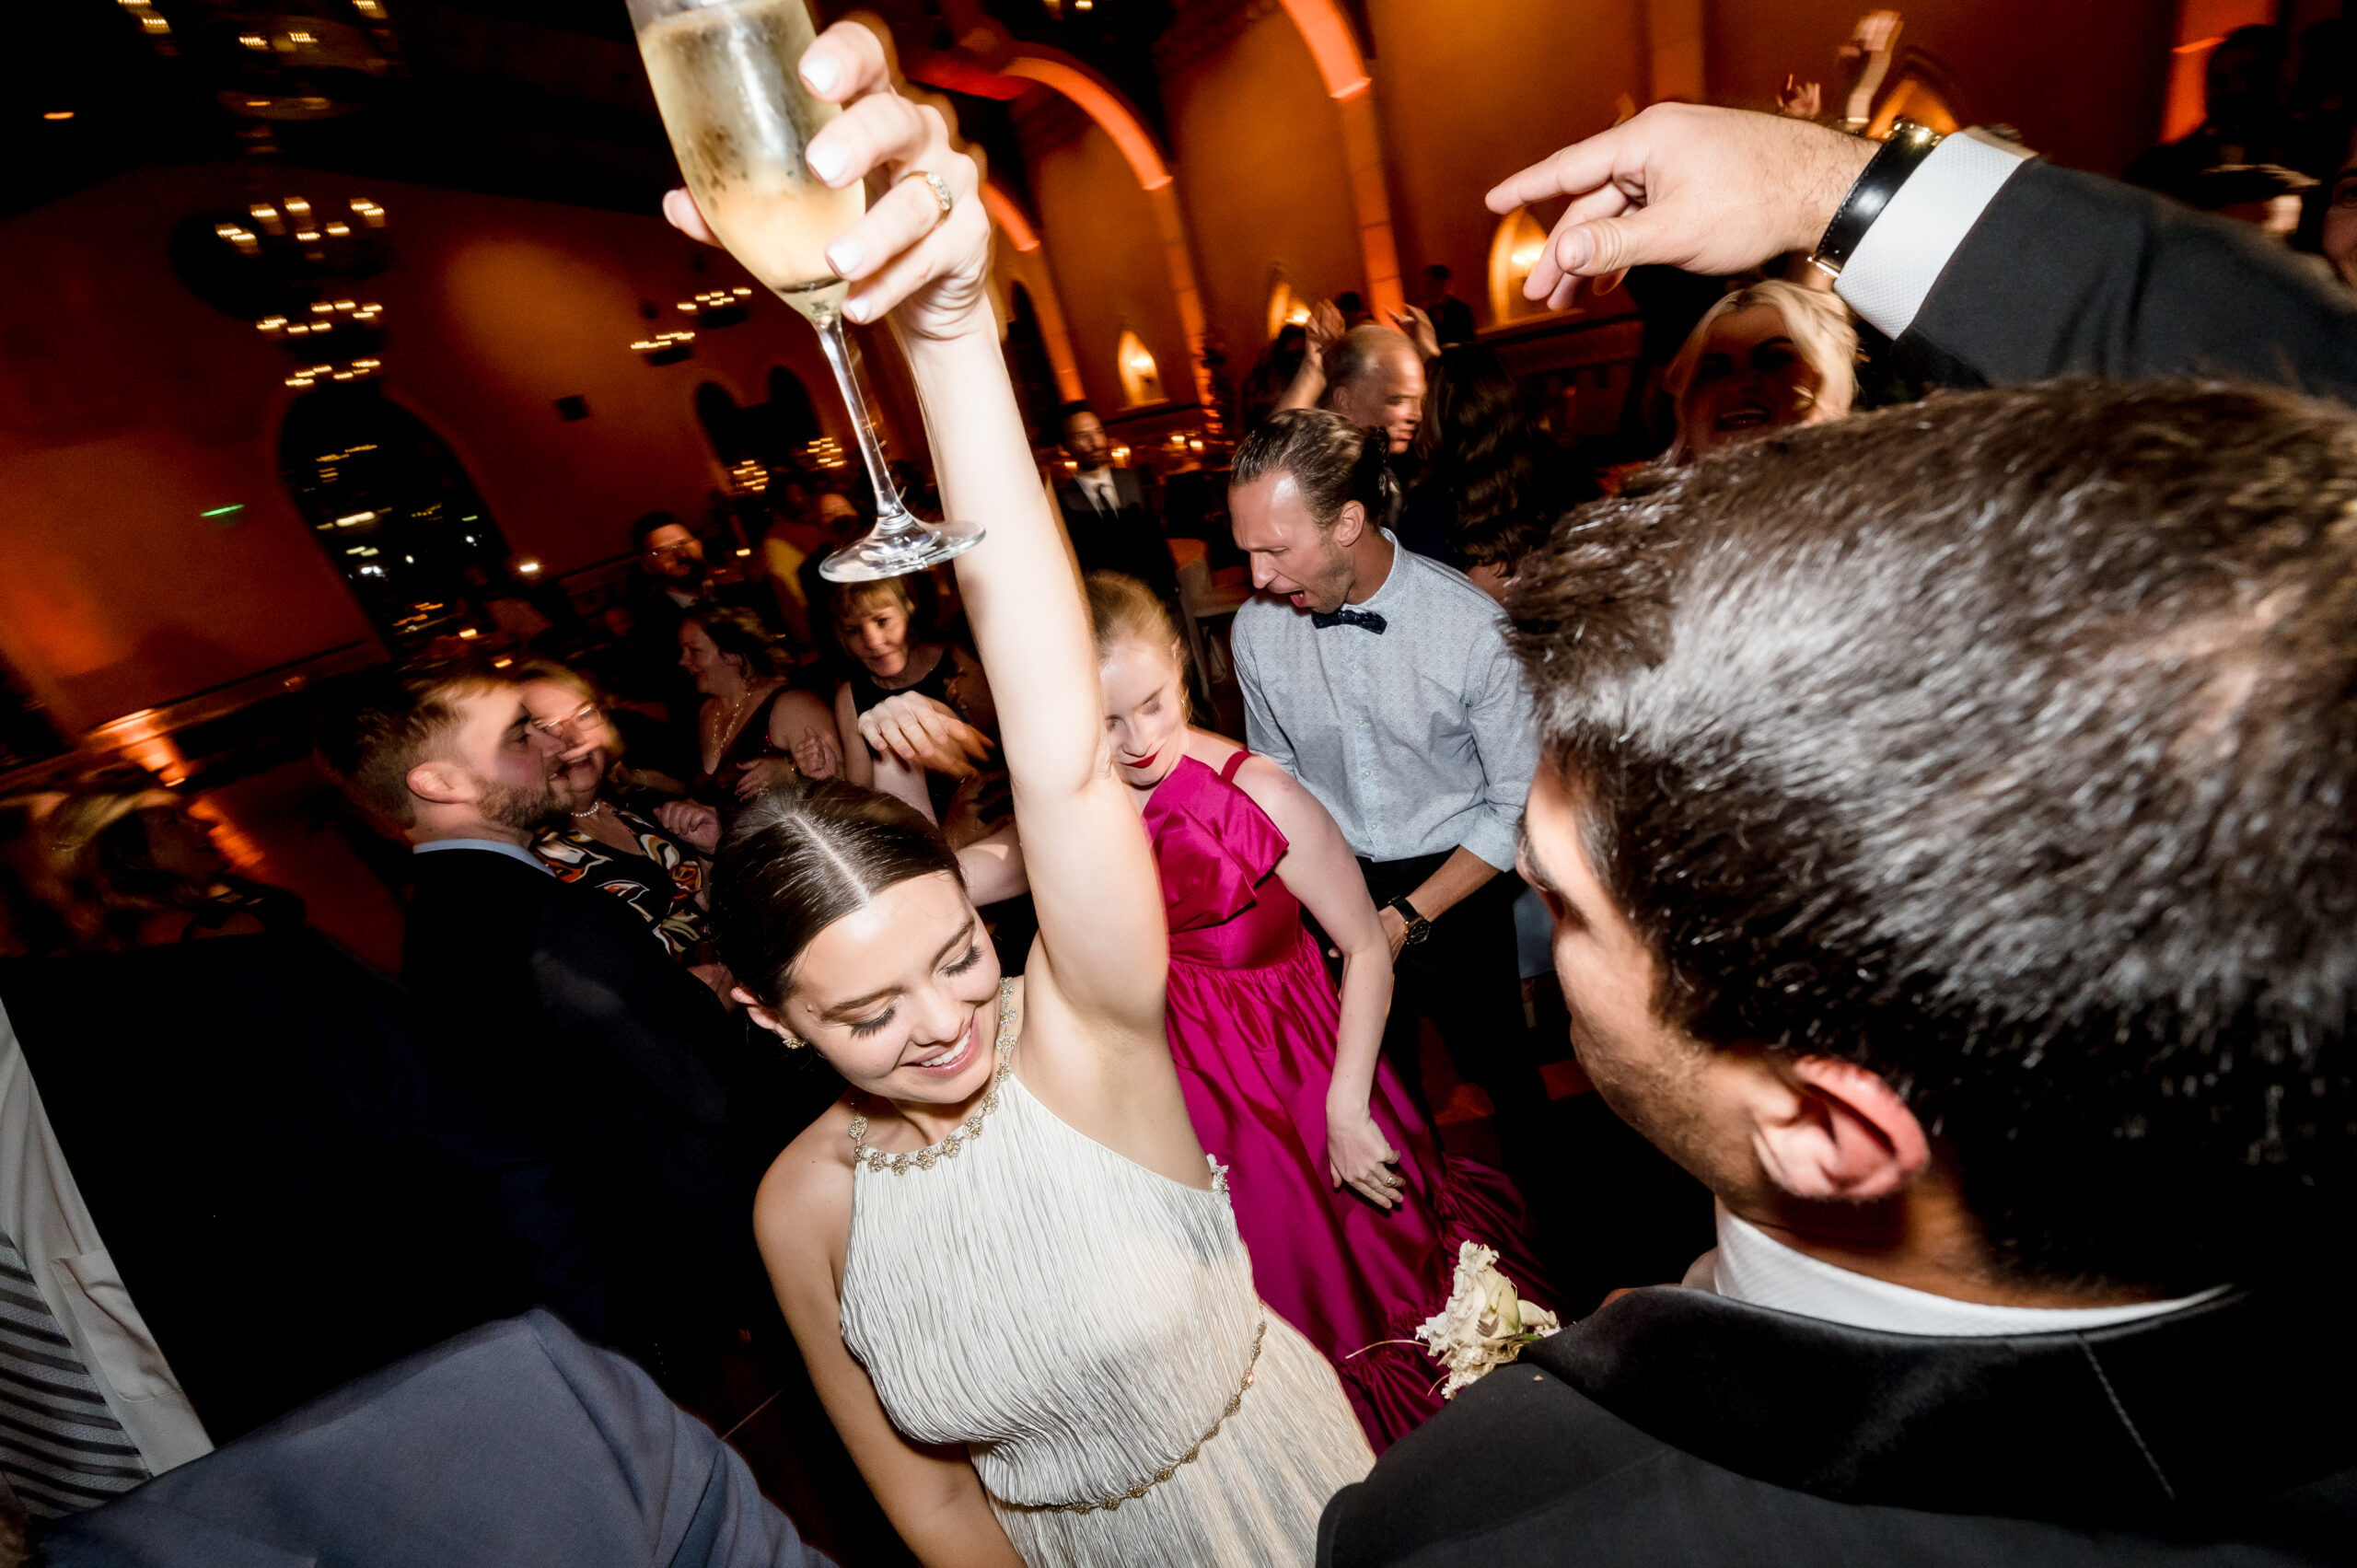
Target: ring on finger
{"x": 940, "y": 189}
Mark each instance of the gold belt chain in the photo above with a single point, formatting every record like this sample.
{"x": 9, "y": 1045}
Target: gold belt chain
{"x": 1251, "y": 1371}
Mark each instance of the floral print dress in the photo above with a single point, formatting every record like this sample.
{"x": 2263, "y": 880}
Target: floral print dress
{"x": 664, "y": 882}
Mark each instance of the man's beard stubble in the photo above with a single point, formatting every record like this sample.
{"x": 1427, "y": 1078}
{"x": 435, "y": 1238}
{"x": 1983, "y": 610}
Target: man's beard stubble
{"x": 519, "y": 809}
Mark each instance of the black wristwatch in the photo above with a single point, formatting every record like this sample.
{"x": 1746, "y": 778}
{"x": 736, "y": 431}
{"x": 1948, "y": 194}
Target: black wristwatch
{"x": 1417, "y": 926}
{"x": 1893, "y": 162}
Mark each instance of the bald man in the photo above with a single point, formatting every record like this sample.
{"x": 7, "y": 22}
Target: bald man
{"x": 1371, "y": 376}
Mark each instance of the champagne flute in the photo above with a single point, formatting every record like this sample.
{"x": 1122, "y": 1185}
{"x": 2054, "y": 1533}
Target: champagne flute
{"x": 726, "y": 76}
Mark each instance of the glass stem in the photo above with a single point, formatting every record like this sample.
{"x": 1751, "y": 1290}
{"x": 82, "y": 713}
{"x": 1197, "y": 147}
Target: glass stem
{"x": 891, "y": 516}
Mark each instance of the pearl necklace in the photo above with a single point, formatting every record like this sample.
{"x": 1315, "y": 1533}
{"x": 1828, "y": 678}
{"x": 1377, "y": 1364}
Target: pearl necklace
{"x": 594, "y": 806}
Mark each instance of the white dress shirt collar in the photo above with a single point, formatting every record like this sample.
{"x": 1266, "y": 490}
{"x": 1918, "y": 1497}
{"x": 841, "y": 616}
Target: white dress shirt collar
{"x": 1749, "y": 1265}
{"x": 497, "y": 846}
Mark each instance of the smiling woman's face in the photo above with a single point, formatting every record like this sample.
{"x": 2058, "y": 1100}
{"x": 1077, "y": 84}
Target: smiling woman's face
{"x": 1748, "y": 378}
{"x": 896, "y": 994}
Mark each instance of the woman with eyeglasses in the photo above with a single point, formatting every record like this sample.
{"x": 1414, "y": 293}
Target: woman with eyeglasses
{"x": 641, "y": 858}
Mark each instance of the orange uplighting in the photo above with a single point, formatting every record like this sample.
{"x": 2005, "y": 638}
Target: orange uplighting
{"x": 59, "y": 114}
{"x": 1008, "y": 216}
{"x": 1103, "y": 105}
{"x": 142, "y": 738}
{"x": 1331, "y": 45}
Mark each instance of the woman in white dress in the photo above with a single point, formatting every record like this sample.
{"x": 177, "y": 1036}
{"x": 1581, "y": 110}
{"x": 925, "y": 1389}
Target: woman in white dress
{"x": 1012, "y": 1272}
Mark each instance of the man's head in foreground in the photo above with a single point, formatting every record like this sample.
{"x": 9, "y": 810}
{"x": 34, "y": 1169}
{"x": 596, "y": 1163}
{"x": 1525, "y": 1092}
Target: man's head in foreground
{"x": 1947, "y": 817}
{"x": 445, "y": 753}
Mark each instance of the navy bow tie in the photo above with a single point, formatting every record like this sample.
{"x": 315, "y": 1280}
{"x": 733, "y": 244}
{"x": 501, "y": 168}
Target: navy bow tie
{"x": 1346, "y": 616}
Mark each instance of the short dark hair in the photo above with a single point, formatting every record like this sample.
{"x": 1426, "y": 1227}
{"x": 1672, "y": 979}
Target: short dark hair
{"x": 1437, "y": 272}
{"x": 2004, "y": 745}
{"x": 369, "y": 733}
{"x": 1333, "y": 461}
{"x": 646, "y": 523}
{"x": 1349, "y": 302}
{"x": 801, "y": 858}
{"x": 1067, "y": 413}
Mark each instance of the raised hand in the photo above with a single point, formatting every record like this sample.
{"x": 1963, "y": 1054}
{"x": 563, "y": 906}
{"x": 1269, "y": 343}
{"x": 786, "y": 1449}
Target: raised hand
{"x": 1325, "y": 330}
{"x": 1801, "y": 100}
{"x": 1419, "y": 330}
{"x": 757, "y": 779}
{"x": 923, "y": 733}
{"x": 905, "y": 256}
{"x": 691, "y": 822}
{"x": 815, "y": 755}
{"x": 1713, "y": 190}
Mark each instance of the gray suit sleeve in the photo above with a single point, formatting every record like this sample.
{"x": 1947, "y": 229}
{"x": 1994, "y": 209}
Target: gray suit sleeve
{"x": 516, "y": 1443}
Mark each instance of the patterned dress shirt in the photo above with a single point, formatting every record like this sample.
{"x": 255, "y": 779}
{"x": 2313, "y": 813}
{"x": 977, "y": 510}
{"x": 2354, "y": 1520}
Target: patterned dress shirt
{"x": 1418, "y": 739}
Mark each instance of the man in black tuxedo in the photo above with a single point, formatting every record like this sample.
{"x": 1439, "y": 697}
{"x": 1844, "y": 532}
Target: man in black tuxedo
{"x": 557, "y": 1004}
{"x": 1943, "y": 816}
{"x": 1106, "y": 515}
{"x": 235, "y": 1183}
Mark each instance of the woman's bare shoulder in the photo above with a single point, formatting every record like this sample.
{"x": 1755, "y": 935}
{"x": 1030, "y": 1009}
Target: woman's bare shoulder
{"x": 1272, "y": 789}
{"x": 805, "y": 1199}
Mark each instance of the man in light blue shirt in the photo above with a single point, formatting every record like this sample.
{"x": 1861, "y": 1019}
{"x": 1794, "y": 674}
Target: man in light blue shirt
{"x": 1381, "y": 679}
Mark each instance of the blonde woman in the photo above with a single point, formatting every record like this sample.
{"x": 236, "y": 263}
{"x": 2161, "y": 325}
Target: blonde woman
{"x": 1769, "y": 355}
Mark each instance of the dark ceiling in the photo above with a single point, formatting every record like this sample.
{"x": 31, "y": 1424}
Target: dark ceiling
{"x": 543, "y": 98}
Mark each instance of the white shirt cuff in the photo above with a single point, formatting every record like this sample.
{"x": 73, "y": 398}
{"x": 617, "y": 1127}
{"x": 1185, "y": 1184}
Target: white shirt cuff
{"x": 1902, "y": 255}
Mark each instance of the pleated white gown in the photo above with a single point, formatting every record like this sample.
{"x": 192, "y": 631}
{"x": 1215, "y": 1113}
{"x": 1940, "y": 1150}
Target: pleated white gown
{"x": 1079, "y": 1322}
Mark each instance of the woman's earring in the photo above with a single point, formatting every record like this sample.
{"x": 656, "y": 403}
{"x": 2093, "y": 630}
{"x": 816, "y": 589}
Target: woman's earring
{"x": 792, "y": 1041}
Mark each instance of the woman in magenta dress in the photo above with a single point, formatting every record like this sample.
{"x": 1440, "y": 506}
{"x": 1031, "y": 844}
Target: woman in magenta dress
{"x": 1350, "y": 1211}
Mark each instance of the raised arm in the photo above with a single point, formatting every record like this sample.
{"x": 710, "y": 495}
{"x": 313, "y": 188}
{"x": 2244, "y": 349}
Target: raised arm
{"x": 1985, "y": 264}
{"x": 1091, "y": 873}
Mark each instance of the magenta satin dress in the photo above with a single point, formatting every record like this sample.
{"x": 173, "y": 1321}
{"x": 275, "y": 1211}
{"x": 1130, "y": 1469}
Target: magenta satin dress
{"x": 1252, "y": 1020}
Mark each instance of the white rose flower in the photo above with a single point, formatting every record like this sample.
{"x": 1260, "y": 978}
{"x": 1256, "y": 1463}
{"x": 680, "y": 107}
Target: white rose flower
{"x": 1484, "y": 1323}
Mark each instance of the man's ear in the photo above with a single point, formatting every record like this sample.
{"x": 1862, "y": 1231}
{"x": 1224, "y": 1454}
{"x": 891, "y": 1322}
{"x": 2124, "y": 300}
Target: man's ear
{"x": 1349, "y": 523}
{"x": 441, "y": 783}
{"x": 1840, "y": 1133}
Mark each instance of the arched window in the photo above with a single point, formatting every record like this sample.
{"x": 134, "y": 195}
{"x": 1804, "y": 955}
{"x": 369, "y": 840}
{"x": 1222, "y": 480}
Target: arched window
{"x": 394, "y": 509}
{"x": 1514, "y": 250}
{"x": 793, "y": 422}
{"x": 1140, "y": 382}
{"x": 723, "y": 423}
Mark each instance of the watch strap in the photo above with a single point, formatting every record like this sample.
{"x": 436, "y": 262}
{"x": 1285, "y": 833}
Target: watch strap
{"x": 1899, "y": 156}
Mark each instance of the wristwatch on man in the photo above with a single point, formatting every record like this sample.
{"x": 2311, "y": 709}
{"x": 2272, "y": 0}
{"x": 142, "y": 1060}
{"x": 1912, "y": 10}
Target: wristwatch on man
{"x": 1901, "y": 155}
{"x": 1417, "y": 926}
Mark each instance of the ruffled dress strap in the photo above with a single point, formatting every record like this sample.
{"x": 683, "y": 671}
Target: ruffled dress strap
{"x": 1212, "y": 844}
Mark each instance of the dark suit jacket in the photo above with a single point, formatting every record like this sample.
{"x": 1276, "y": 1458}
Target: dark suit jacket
{"x": 1675, "y": 1426}
{"x": 292, "y": 1196}
{"x": 1129, "y": 540}
{"x": 516, "y": 1444}
{"x": 2068, "y": 275}
{"x": 558, "y": 1002}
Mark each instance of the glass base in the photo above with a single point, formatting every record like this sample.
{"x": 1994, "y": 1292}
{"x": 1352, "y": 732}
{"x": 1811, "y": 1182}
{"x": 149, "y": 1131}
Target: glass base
{"x": 876, "y": 555}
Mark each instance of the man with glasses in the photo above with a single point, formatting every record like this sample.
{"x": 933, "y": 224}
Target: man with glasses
{"x": 669, "y": 579}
